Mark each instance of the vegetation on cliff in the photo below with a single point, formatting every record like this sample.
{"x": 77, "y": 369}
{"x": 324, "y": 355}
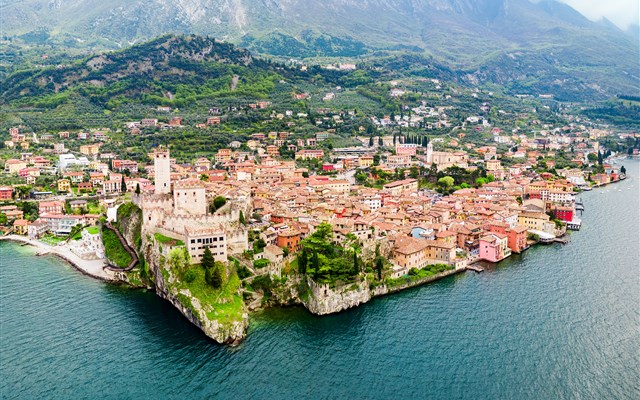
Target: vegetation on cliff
{"x": 327, "y": 262}
{"x": 222, "y": 305}
{"x": 113, "y": 249}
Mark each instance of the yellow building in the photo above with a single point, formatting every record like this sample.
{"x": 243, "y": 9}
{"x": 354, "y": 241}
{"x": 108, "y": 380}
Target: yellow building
{"x": 64, "y": 185}
{"x": 20, "y": 226}
{"x": 493, "y": 165}
{"x": 14, "y": 166}
{"x": 90, "y": 149}
{"x": 534, "y": 221}
{"x": 398, "y": 187}
{"x": 419, "y": 253}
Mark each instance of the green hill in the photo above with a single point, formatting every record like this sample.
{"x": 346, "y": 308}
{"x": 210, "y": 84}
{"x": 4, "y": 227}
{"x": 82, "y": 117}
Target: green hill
{"x": 530, "y": 47}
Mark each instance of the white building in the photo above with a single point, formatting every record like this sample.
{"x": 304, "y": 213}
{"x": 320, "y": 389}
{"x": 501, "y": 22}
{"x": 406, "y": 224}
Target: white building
{"x": 68, "y": 160}
{"x": 190, "y": 198}
{"x": 198, "y": 239}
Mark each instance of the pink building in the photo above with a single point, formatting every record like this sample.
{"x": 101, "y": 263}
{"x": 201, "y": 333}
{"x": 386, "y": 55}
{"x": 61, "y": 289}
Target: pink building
{"x": 494, "y": 247}
{"x": 50, "y": 207}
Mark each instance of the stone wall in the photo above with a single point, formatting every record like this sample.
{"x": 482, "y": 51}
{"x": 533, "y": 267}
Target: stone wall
{"x": 324, "y": 300}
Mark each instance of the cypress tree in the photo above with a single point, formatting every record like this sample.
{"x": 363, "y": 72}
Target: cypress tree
{"x": 355, "y": 263}
{"x": 316, "y": 265}
{"x": 379, "y": 267}
{"x": 241, "y": 218}
{"x": 599, "y": 157}
{"x": 302, "y": 262}
{"x": 208, "y": 261}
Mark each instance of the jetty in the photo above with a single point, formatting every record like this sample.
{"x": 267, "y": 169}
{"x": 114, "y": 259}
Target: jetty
{"x": 475, "y": 268}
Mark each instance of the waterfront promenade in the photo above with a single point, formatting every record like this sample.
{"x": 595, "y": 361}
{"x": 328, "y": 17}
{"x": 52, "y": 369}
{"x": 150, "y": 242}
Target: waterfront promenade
{"x": 92, "y": 268}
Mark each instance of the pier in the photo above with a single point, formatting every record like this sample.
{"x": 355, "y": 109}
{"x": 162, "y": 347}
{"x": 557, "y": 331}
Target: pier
{"x": 574, "y": 225}
{"x": 475, "y": 268}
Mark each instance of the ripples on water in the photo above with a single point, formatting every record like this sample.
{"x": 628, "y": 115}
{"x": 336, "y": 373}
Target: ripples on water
{"x": 555, "y": 322}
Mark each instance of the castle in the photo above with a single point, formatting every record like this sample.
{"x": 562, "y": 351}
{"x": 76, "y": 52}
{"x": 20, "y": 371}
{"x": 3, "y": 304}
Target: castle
{"x": 181, "y": 211}
{"x": 445, "y": 159}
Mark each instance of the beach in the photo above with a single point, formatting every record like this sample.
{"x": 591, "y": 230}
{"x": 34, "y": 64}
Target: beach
{"x": 92, "y": 268}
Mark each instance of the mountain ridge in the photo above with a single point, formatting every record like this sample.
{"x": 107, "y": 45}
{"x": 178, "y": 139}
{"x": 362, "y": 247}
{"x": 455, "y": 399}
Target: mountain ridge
{"x": 471, "y": 35}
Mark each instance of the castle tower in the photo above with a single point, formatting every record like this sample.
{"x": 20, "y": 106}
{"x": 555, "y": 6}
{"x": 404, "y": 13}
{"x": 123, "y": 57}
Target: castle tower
{"x": 162, "y": 171}
{"x": 429, "y": 153}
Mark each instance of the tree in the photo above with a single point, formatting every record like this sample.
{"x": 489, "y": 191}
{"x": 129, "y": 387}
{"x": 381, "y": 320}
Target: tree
{"x": 315, "y": 263}
{"x": 214, "y": 276}
{"x": 180, "y": 260}
{"x": 123, "y": 185}
{"x": 600, "y": 157}
{"x": 207, "y": 259}
{"x": 446, "y": 182}
{"x": 241, "y": 218}
{"x": 137, "y": 188}
{"x": 433, "y": 169}
{"x": 302, "y": 262}
{"x": 370, "y": 141}
{"x": 23, "y": 191}
{"x": 380, "y": 142}
{"x": 379, "y": 267}
{"x": 355, "y": 263}
{"x": 592, "y": 157}
{"x": 217, "y": 203}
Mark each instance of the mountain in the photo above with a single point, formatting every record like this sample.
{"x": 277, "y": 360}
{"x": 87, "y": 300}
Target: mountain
{"x": 168, "y": 68}
{"x": 518, "y": 43}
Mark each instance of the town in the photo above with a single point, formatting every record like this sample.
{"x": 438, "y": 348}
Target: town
{"x": 394, "y": 209}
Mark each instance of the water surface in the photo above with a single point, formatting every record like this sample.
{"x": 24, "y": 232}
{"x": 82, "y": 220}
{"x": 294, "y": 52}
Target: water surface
{"x": 557, "y": 322}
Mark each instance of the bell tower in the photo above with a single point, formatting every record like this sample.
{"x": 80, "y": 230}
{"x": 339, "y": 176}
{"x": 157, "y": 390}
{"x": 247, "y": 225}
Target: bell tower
{"x": 162, "y": 171}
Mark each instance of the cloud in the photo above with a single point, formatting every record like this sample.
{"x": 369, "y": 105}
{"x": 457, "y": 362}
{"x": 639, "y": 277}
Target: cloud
{"x": 623, "y": 13}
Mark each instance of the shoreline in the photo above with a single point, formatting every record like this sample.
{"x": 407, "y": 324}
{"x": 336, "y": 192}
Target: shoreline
{"x": 90, "y": 268}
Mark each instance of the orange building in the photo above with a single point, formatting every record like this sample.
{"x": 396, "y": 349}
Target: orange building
{"x": 289, "y": 239}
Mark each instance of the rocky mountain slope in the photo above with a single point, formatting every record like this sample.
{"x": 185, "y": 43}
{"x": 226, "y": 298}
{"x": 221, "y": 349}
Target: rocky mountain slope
{"x": 499, "y": 41}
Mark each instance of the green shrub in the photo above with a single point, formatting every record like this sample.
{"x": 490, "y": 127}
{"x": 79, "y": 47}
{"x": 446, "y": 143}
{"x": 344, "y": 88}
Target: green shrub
{"x": 261, "y": 263}
{"x": 190, "y": 275}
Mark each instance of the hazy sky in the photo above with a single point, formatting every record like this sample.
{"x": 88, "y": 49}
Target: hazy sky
{"x": 621, "y": 12}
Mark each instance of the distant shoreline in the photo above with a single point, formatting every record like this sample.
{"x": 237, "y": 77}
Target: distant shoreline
{"x": 91, "y": 268}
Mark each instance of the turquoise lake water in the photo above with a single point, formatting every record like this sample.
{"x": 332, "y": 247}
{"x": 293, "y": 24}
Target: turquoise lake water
{"x": 557, "y": 322}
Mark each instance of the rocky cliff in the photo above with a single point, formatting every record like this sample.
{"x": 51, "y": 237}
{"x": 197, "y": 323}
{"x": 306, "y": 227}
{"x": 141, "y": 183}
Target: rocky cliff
{"x": 225, "y": 330}
{"x": 322, "y": 300}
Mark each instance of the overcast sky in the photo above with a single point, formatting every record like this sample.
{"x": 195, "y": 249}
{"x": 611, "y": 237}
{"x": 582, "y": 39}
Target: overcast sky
{"x": 621, "y": 12}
